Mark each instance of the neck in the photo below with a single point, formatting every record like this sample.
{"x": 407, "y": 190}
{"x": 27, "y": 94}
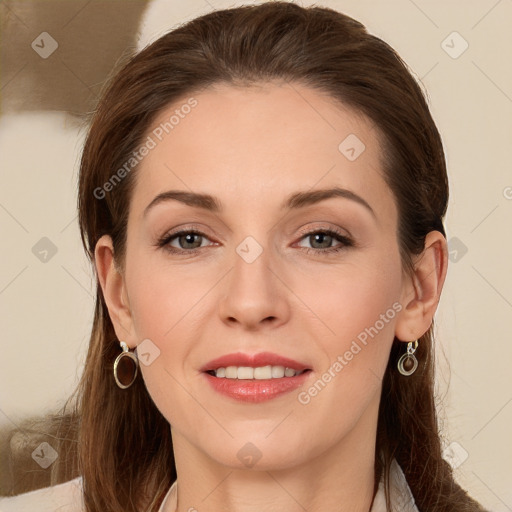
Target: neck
{"x": 340, "y": 478}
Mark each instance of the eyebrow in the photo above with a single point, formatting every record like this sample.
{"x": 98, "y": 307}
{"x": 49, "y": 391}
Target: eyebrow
{"x": 294, "y": 201}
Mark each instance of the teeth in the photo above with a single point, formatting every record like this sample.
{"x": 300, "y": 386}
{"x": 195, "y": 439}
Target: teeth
{"x": 277, "y": 372}
{"x": 231, "y": 372}
{"x": 245, "y": 372}
{"x": 261, "y": 372}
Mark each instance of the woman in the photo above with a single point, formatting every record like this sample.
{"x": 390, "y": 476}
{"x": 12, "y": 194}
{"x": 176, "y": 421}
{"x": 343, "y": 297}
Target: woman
{"x": 262, "y": 193}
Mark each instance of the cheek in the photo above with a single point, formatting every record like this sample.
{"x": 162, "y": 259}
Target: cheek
{"x": 163, "y": 298}
{"x": 358, "y": 305}
{"x": 167, "y": 306}
{"x": 355, "y": 300}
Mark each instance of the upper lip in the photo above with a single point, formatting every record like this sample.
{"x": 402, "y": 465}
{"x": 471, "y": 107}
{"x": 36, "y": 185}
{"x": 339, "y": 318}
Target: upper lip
{"x": 253, "y": 360}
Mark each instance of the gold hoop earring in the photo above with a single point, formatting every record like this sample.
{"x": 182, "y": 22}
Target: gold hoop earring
{"x": 126, "y": 367}
{"x": 408, "y": 363}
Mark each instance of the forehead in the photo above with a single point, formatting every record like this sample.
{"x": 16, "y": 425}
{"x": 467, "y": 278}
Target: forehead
{"x": 258, "y": 144}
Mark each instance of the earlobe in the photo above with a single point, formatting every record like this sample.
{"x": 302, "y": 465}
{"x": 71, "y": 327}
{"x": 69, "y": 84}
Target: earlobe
{"x": 113, "y": 287}
{"x": 422, "y": 290}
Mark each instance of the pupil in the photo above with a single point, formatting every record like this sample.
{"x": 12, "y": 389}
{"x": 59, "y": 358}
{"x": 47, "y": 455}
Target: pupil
{"x": 189, "y": 238}
{"x": 321, "y": 236}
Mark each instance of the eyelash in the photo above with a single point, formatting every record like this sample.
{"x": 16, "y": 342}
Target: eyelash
{"x": 346, "y": 242}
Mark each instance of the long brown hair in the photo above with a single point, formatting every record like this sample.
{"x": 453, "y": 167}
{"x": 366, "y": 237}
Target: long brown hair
{"x": 125, "y": 453}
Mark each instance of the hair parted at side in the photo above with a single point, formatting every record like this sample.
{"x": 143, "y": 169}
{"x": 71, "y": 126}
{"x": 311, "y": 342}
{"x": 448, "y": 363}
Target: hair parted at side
{"x": 124, "y": 449}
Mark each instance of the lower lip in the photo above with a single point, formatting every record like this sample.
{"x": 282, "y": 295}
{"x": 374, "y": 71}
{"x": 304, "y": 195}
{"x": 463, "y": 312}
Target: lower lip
{"x": 254, "y": 390}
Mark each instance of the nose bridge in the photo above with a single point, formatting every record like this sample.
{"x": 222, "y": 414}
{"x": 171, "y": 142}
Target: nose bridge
{"x": 254, "y": 293}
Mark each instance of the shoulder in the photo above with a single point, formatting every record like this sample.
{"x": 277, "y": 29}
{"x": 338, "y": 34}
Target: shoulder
{"x": 66, "y": 497}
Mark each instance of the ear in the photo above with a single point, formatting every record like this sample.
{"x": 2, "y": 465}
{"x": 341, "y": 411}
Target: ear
{"x": 421, "y": 291}
{"x": 114, "y": 291}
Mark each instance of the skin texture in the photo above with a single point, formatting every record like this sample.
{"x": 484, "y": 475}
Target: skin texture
{"x": 252, "y": 148}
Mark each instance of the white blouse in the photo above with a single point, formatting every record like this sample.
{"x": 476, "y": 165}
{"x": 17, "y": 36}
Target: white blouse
{"x": 67, "y": 497}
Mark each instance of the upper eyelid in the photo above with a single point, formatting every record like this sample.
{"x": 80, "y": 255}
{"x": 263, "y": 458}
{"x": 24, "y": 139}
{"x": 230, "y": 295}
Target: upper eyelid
{"x": 201, "y": 231}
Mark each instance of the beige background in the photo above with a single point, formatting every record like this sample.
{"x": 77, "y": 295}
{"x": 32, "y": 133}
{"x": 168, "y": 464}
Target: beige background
{"x": 46, "y": 307}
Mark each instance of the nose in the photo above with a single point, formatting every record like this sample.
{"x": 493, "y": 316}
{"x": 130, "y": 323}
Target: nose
{"x": 255, "y": 296}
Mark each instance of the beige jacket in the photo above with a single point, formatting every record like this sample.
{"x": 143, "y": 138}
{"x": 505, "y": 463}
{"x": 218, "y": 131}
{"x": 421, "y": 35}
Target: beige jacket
{"x": 67, "y": 497}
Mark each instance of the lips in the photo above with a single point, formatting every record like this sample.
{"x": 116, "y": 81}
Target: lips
{"x": 254, "y": 360}
{"x": 256, "y": 377}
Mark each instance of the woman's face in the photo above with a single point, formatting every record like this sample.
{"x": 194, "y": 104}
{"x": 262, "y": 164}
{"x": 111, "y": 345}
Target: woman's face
{"x": 264, "y": 276}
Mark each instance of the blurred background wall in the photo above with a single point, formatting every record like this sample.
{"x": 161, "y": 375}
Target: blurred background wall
{"x": 56, "y": 56}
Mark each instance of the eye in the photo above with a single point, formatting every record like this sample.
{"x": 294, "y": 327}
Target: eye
{"x": 321, "y": 241}
{"x": 189, "y": 241}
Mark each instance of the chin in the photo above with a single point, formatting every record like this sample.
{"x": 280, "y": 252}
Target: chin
{"x": 260, "y": 453}
{"x": 250, "y": 457}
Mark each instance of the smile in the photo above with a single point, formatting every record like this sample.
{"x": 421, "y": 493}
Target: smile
{"x": 255, "y": 378}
